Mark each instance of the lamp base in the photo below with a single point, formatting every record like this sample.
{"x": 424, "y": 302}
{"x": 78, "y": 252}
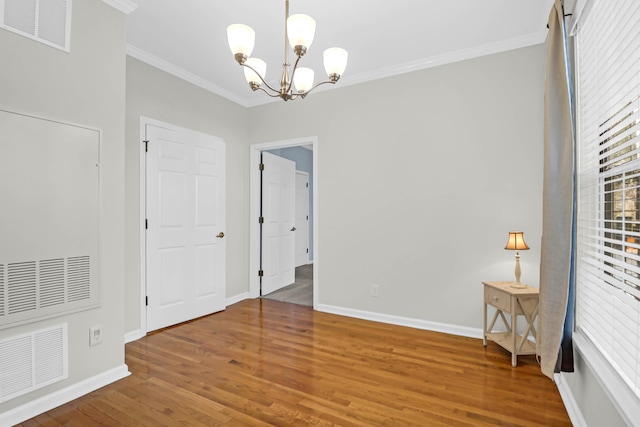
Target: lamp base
{"x": 518, "y": 285}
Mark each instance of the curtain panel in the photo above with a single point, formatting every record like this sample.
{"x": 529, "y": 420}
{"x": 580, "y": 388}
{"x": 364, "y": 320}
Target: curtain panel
{"x": 555, "y": 322}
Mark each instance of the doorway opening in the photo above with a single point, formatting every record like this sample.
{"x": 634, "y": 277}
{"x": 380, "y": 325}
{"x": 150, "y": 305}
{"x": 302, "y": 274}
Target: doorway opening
{"x": 305, "y": 272}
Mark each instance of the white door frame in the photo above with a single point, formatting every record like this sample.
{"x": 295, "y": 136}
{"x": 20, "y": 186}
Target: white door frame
{"x": 254, "y": 210}
{"x": 306, "y": 199}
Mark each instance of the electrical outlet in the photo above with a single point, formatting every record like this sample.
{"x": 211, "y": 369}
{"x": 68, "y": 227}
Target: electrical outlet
{"x": 375, "y": 290}
{"x": 95, "y": 335}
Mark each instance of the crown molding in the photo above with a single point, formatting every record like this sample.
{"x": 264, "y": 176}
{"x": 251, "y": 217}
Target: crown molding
{"x": 124, "y": 6}
{"x": 448, "y": 58}
{"x": 183, "y": 74}
{"x": 434, "y": 61}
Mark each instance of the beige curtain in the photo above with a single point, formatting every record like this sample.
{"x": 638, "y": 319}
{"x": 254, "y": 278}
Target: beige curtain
{"x": 558, "y": 198}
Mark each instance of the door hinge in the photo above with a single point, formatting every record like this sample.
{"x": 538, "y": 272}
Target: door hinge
{"x": 260, "y": 273}
{"x": 261, "y": 220}
{"x": 307, "y": 217}
{"x": 146, "y": 146}
{"x": 146, "y": 224}
{"x": 261, "y": 167}
{"x": 307, "y": 250}
{"x": 146, "y": 300}
{"x": 307, "y": 185}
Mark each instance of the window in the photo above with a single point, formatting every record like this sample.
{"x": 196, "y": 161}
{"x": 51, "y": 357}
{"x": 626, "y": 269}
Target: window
{"x": 608, "y": 261}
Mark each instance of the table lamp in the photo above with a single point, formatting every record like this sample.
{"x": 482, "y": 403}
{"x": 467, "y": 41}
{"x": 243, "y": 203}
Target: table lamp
{"x": 516, "y": 243}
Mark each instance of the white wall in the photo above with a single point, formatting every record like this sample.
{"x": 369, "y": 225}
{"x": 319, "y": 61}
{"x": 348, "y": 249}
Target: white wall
{"x": 85, "y": 87}
{"x": 155, "y": 94}
{"x": 421, "y": 176}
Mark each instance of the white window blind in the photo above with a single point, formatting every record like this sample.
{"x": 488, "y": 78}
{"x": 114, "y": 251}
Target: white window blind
{"x": 608, "y": 260}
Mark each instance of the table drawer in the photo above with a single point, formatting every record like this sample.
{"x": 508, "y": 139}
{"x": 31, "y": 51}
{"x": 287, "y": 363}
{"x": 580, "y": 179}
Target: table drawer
{"x": 497, "y": 298}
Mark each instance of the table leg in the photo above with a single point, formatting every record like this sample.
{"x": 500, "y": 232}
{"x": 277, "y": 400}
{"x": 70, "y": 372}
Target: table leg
{"x": 484, "y": 326}
{"x": 514, "y": 336}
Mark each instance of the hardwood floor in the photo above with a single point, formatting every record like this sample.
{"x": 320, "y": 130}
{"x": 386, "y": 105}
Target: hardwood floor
{"x": 264, "y": 363}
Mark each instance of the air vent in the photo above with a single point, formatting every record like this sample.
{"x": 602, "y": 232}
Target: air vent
{"x": 47, "y": 21}
{"x": 31, "y": 361}
{"x": 2, "y": 290}
{"x": 79, "y": 278}
{"x": 21, "y": 286}
{"x": 34, "y": 289}
{"x": 52, "y": 284}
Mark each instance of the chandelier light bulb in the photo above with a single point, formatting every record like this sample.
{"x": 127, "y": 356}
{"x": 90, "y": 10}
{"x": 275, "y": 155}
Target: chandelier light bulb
{"x": 303, "y": 79}
{"x": 260, "y": 66}
{"x": 241, "y": 39}
{"x": 301, "y": 29}
{"x": 335, "y": 61}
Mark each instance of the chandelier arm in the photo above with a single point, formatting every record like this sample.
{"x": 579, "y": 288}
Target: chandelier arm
{"x": 319, "y": 84}
{"x": 272, "y": 95}
{"x": 263, "y": 80}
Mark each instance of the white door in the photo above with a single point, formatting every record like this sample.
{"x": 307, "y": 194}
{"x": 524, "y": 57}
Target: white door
{"x": 302, "y": 218}
{"x": 185, "y": 245}
{"x": 278, "y": 232}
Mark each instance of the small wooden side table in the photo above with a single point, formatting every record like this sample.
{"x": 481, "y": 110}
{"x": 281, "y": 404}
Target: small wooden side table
{"x": 517, "y": 302}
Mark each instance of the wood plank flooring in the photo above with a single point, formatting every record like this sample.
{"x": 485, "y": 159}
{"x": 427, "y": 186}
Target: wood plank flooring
{"x": 269, "y": 363}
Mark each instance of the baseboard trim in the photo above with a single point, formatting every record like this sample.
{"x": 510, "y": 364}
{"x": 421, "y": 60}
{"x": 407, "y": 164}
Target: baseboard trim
{"x": 237, "y": 298}
{"x": 570, "y": 404}
{"x": 38, "y": 406}
{"x": 133, "y": 336}
{"x": 402, "y": 321}
{"x": 137, "y": 334}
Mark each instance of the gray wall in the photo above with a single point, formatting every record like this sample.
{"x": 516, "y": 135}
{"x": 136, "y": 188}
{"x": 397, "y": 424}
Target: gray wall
{"x": 85, "y": 87}
{"x": 591, "y": 398}
{"x": 421, "y": 176}
{"x": 157, "y": 95}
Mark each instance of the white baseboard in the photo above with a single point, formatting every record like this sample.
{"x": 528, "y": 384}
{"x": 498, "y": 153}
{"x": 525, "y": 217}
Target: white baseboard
{"x": 403, "y": 321}
{"x": 138, "y": 333}
{"x": 570, "y": 404}
{"x": 38, "y": 406}
{"x": 237, "y": 298}
{"x": 133, "y": 336}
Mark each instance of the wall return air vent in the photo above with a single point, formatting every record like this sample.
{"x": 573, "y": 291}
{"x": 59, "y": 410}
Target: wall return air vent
{"x": 50, "y": 219}
{"x": 33, "y": 360}
{"x": 47, "y": 21}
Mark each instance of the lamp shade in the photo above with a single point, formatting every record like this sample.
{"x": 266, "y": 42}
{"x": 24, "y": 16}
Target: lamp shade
{"x": 241, "y": 39}
{"x": 260, "y": 66}
{"x": 516, "y": 241}
{"x": 301, "y": 29}
{"x": 303, "y": 79}
{"x": 335, "y": 60}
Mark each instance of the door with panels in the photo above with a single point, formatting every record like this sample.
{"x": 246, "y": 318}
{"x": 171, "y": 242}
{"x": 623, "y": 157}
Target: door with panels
{"x": 185, "y": 220}
{"x": 278, "y": 227}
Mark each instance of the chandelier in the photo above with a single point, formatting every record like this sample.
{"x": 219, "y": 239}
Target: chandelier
{"x": 299, "y": 31}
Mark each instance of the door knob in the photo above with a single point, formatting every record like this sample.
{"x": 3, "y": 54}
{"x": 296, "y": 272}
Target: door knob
{"x": 293, "y": 229}
{"x": 220, "y": 235}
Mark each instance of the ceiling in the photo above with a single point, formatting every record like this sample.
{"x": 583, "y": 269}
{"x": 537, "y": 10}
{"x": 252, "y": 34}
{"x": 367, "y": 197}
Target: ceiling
{"x": 384, "y": 38}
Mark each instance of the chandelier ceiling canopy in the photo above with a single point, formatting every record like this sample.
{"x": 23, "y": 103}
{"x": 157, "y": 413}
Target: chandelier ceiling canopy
{"x": 299, "y": 31}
